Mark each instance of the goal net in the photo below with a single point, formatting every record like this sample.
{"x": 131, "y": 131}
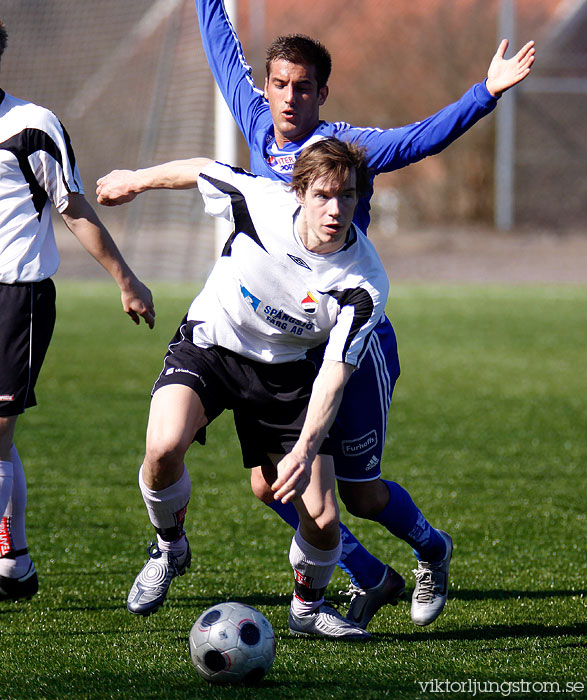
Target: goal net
{"x": 130, "y": 82}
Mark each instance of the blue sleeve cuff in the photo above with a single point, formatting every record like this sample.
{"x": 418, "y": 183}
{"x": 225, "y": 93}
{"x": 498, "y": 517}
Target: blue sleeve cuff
{"x": 483, "y": 96}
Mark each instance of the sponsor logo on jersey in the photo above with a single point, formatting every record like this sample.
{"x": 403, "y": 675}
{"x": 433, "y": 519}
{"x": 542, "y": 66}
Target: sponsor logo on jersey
{"x": 299, "y": 261}
{"x": 281, "y": 160}
{"x": 5, "y": 543}
{"x": 356, "y": 447}
{"x": 310, "y": 304}
{"x": 281, "y": 164}
{"x": 250, "y": 298}
{"x": 6, "y": 397}
{"x": 278, "y": 317}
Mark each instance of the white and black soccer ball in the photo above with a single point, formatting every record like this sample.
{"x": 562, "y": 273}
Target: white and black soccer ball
{"x": 232, "y": 643}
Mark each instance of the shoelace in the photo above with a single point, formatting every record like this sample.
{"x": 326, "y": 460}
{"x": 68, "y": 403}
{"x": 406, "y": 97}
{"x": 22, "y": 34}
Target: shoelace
{"x": 155, "y": 553}
{"x": 428, "y": 585}
{"x": 352, "y": 591}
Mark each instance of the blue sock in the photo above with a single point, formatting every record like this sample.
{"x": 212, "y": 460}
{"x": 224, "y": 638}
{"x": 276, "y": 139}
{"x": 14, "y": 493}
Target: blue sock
{"x": 403, "y": 519}
{"x": 364, "y": 569}
{"x": 287, "y": 512}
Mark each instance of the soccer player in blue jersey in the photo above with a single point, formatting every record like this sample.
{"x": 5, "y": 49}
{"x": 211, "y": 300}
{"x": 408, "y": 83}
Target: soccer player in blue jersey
{"x": 38, "y": 170}
{"x": 278, "y": 123}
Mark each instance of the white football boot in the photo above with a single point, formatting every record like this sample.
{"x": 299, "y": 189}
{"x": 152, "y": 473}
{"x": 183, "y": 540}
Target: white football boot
{"x": 150, "y": 588}
{"x": 325, "y": 622}
{"x": 429, "y": 597}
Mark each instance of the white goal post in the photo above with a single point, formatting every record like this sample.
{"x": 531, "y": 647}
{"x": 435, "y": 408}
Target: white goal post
{"x": 225, "y": 138}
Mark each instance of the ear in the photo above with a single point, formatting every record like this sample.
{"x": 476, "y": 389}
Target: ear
{"x": 265, "y": 88}
{"x": 322, "y": 95}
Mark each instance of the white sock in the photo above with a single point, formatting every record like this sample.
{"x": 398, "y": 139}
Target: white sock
{"x": 166, "y": 509}
{"x": 313, "y": 569}
{"x": 6, "y": 483}
{"x": 13, "y": 522}
{"x": 6, "y": 476}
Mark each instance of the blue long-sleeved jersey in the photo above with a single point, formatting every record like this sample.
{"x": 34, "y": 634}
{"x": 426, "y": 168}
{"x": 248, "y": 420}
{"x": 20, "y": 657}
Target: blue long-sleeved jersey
{"x": 386, "y": 149}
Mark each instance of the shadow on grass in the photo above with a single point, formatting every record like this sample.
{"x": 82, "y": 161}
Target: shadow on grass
{"x": 257, "y": 600}
{"x": 182, "y": 601}
{"x": 503, "y": 594}
{"x": 162, "y": 687}
{"x": 491, "y": 632}
{"x": 202, "y": 602}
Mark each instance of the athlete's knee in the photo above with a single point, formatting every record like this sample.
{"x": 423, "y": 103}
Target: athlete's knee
{"x": 261, "y": 485}
{"x": 364, "y": 499}
{"x": 163, "y": 456}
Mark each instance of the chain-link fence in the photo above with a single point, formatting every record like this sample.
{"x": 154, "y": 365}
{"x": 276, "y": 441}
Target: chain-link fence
{"x": 131, "y": 84}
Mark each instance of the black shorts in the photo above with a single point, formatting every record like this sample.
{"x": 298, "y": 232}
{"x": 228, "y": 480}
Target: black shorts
{"x": 269, "y": 401}
{"x": 27, "y": 319}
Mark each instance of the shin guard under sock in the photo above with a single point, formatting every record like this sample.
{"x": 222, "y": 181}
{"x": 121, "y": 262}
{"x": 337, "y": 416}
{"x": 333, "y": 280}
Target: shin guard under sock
{"x": 167, "y": 509}
{"x": 313, "y": 569}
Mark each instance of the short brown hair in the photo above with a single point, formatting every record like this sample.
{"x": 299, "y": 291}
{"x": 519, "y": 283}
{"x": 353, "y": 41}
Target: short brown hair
{"x": 301, "y": 49}
{"x": 333, "y": 159}
{"x": 3, "y": 38}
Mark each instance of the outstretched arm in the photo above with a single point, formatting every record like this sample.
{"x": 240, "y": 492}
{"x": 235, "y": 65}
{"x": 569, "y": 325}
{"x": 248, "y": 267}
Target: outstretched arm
{"x": 122, "y": 186}
{"x": 229, "y": 67}
{"x": 83, "y": 222}
{"x": 505, "y": 73}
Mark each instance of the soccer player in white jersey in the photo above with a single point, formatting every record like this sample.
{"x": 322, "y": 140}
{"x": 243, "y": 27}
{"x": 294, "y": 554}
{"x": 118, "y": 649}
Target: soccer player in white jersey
{"x": 278, "y": 123}
{"x": 37, "y": 170}
{"x": 295, "y": 274}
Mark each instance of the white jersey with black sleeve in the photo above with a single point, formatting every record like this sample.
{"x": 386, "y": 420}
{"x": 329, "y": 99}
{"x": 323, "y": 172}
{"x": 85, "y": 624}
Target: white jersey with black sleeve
{"x": 37, "y": 169}
{"x": 270, "y": 299}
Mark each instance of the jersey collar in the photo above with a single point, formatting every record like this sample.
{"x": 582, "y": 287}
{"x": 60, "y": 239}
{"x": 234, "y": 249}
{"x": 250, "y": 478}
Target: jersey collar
{"x": 351, "y": 237}
{"x": 292, "y": 146}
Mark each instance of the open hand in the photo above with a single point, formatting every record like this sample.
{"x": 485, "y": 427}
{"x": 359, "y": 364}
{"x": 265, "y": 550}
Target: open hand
{"x": 137, "y": 301}
{"x": 293, "y": 476}
{"x": 505, "y": 73}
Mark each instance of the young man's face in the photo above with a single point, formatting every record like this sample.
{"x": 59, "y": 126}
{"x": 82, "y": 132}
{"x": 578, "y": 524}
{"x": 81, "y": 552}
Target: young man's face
{"x": 294, "y": 100}
{"x": 327, "y": 213}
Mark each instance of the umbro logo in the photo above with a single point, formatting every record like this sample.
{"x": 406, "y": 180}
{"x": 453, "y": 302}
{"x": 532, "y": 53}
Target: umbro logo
{"x": 299, "y": 261}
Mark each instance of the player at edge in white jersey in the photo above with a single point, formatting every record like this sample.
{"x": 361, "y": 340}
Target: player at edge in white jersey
{"x": 38, "y": 171}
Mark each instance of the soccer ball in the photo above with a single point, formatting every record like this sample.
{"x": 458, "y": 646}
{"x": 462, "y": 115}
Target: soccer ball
{"x": 232, "y": 643}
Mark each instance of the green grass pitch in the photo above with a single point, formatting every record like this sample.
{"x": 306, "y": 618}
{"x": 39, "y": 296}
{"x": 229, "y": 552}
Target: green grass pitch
{"x": 487, "y": 432}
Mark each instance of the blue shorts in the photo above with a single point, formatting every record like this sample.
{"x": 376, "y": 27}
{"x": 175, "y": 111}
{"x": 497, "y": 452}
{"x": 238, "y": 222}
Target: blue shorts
{"x": 358, "y": 434}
